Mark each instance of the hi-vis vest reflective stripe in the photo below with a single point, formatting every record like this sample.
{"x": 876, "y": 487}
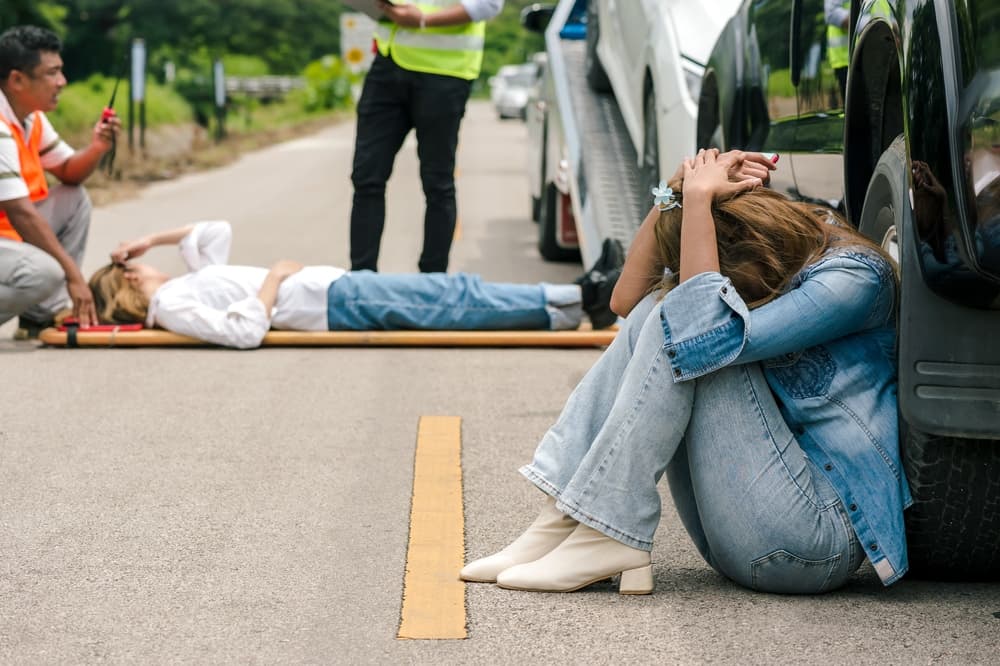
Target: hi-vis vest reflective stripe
{"x": 31, "y": 168}
{"x": 454, "y": 50}
{"x": 838, "y": 44}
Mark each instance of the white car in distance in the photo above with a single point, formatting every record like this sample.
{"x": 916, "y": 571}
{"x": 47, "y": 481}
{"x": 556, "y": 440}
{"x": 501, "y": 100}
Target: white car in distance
{"x": 652, "y": 55}
{"x": 510, "y": 88}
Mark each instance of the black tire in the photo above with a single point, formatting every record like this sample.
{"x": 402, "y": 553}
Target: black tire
{"x": 536, "y": 208}
{"x": 649, "y": 172}
{"x": 597, "y": 78}
{"x": 953, "y": 527}
{"x": 547, "y": 245}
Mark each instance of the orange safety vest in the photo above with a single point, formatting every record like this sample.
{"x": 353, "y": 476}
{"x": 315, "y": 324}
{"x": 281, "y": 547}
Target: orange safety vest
{"x": 31, "y": 169}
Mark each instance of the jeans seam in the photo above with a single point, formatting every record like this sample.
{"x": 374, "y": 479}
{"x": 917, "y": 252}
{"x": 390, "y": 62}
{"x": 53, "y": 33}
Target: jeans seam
{"x": 619, "y": 436}
{"x": 774, "y": 444}
{"x": 354, "y": 301}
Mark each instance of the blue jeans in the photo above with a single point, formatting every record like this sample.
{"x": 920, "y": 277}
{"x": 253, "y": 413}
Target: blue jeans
{"x": 756, "y": 508}
{"x": 367, "y": 301}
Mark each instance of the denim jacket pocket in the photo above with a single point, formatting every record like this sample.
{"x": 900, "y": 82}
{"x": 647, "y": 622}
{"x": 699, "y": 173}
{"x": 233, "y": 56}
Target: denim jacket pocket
{"x": 807, "y": 374}
{"x": 782, "y": 572}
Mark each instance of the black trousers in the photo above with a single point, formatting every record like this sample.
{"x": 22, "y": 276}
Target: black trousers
{"x": 393, "y": 102}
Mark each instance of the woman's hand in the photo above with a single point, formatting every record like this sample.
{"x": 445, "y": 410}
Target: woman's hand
{"x": 284, "y": 268}
{"x": 709, "y": 176}
{"x": 279, "y": 272}
{"x": 130, "y": 250}
{"x": 743, "y": 166}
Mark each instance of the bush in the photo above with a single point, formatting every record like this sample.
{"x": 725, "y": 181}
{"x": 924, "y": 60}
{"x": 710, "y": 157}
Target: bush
{"x": 328, "y": 85}
{"x": 81, "y": 104}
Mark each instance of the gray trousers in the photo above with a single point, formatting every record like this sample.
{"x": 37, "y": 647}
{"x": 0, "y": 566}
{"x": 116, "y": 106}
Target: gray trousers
{"x": 31, "y": 282}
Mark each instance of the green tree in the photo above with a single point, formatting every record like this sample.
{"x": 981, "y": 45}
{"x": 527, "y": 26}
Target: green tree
{"x": 31, "y": 12}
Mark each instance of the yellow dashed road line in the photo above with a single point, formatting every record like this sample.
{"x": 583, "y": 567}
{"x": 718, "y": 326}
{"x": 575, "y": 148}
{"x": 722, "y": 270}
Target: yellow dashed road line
{"x": 433, "y": 596}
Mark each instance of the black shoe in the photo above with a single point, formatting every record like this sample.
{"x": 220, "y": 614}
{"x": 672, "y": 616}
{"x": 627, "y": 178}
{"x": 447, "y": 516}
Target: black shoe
{"x": 597, "y": 284}
{"x": 28, "y": 328}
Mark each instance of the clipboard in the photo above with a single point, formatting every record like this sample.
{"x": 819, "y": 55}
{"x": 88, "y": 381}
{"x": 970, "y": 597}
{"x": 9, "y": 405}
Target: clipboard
{"x": 369, "y": 7}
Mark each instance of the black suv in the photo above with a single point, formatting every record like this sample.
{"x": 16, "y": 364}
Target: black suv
{"x": 907, "y": 145}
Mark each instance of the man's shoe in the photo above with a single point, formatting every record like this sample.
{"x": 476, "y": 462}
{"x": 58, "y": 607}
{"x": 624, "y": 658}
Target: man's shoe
{"x": 597, "y": 284}
{"x": 28, "y": 328}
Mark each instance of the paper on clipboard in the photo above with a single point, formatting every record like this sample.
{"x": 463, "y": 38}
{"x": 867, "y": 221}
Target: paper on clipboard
{"x": 370, "y": 7}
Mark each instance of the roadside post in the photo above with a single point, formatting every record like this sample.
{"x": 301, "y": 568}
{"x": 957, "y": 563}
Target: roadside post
{"x": 219, "y": 78}
{"x": 137, "y": 87}
{"x": 138, "y": 91}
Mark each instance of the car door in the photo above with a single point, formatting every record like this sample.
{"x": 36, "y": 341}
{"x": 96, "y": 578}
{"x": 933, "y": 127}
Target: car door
{"x": 793, "y": 105}
{"x": 623, "y": 36}
{"x": 769, "y": 108}
{"x": 819, "y": 124}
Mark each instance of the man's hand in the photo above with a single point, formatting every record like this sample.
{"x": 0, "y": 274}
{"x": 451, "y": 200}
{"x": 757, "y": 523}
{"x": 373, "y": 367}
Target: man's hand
{"x": 408, "y": 16}
{"x": 130, "y": 250}
{"x": 106, "y": 132}
{"x": 83, "y": 302}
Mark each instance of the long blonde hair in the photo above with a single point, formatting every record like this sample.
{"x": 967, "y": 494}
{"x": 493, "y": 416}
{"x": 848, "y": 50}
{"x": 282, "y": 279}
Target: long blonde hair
{"x": 764, "y": 240}
{"x": 117, "y": 300}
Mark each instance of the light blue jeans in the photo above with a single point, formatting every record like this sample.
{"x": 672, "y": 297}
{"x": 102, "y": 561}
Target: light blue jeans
{"x": 368, "y": 301}
{"x": 756, "y": 508}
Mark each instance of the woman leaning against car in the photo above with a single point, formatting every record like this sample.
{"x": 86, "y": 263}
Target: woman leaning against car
{"x": 756, "y": 368}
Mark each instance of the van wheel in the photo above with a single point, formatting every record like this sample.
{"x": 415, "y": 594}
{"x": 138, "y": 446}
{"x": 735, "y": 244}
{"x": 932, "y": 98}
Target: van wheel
{"x": 547, "y": 221}
{"x": 650, "y": 171}
{"x": 596, "y": 76}
{"x": 953, "y": 527}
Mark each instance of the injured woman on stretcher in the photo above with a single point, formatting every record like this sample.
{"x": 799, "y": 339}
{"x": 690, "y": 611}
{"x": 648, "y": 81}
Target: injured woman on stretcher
{"x": 235, "y": 306}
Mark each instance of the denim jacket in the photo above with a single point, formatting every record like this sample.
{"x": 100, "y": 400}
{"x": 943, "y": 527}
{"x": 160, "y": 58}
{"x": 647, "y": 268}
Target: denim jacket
{"x": 827, "y": 348}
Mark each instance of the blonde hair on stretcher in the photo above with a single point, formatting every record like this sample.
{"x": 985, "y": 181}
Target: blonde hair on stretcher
{"x": 117, "y": 300}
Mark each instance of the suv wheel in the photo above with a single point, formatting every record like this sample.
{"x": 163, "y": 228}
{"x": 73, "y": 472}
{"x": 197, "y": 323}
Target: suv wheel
{"x": 953, "y": 527}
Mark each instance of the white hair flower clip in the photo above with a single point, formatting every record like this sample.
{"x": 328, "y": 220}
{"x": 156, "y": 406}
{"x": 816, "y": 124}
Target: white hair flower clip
{"x": 664, "y": 197}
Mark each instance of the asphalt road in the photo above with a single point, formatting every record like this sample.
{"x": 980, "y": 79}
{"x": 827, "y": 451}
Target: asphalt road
{"x": 215, "y": 506}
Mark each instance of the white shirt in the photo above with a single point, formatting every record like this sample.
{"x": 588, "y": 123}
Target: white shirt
{"x": 54, "y": 151}
{"x": 218, "y": 303}
{"x": 482, "y": 10}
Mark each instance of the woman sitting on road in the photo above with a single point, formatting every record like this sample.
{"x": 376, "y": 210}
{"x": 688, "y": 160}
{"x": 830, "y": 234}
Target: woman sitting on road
{"x": 757, "y": 370}
{"x": 235, "y": 306}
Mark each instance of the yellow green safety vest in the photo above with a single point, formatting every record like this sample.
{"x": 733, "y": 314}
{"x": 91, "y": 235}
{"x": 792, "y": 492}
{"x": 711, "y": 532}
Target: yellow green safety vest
{"x": 454, "y": 50}
{"x": 838, "y": 44}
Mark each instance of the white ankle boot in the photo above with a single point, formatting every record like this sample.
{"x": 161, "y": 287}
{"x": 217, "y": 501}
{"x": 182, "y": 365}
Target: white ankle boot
{"x": 585, "y": 557}
{"x": 549, "y": 530}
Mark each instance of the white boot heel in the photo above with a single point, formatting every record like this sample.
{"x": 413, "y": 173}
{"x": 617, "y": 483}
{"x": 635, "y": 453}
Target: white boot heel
{"x": 637, "y": 581}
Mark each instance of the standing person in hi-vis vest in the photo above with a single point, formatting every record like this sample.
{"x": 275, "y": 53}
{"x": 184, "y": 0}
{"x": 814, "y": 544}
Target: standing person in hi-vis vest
{"x": 43, "y": 230}
{"x": 838, "y": 19}
{"x": 429, "y": 53}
